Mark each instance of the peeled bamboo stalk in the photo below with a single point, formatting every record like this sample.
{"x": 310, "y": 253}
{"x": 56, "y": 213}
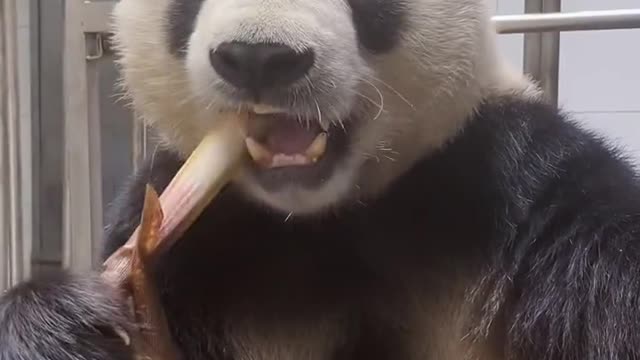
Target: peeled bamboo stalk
{"x": 211, "y": 166}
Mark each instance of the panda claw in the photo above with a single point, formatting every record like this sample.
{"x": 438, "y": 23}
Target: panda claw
{"x": 122, "y": 333}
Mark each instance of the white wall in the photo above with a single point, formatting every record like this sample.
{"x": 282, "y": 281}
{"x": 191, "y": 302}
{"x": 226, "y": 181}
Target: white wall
{"x": 599, "y": 72}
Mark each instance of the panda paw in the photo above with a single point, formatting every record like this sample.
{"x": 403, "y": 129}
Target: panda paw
{"x": 63, "y": 317}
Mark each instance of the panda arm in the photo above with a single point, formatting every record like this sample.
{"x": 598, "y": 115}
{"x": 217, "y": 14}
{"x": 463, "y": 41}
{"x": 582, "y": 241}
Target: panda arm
{"x": 567, "y": 269}
{"x": 579, "y": 297}
{"x": 63, "y": 317}
{"x": 76, "y": 317}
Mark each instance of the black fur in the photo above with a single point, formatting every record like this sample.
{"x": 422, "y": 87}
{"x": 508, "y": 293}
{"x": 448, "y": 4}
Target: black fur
{"x": 378, "y": 23}
{"x": 182, "y": 18}
{"x": 538, "y": 219}
{"x": 61, "y": 317}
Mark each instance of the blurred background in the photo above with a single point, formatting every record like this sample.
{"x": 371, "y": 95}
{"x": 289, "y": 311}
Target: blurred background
{"x": 68, "y": 144}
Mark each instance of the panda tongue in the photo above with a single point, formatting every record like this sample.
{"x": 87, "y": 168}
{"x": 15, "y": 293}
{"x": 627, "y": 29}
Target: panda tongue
{"x": 289, "y": 137}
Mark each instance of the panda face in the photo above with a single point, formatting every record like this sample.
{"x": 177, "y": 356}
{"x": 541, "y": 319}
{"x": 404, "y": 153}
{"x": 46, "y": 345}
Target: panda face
{"x": 342, "y": 94}
{"x": 297, "y": 67}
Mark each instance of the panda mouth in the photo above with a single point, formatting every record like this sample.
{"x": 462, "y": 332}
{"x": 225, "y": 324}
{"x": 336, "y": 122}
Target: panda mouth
{"x": 279, "y": 140}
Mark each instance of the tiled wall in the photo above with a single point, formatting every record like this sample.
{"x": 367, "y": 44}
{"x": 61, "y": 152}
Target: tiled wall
{"x": 600, "y": 76}
{"x": 599, "y": 72}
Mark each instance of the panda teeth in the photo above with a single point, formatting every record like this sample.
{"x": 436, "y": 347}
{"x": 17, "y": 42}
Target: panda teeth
{"x": 317, "y": 147}
{"x": 262, "y": 156}
{"x": 259, "y": 153}
{"x": 266, "y": 110}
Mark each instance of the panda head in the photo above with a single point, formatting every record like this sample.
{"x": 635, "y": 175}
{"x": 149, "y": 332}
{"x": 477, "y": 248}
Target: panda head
{"x": 344, "y": 95}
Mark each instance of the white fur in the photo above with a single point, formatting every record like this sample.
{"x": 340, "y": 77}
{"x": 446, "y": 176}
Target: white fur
{"x": 413, "y": 99}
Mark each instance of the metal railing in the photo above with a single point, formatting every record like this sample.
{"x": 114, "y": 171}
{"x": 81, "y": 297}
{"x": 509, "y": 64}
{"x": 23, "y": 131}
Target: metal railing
{"x": 574, "y": 21}
{"x": 82, "y": 162}
{"x": 541, "y": 26}
{"x": 12, "y": 267}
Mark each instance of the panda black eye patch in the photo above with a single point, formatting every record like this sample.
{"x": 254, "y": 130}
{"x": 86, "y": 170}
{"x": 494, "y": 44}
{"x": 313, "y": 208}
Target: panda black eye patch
{"x": 182, "y": 18}
{"x": 378, "y": 23}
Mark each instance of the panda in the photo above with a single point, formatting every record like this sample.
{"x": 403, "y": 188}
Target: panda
{"x": 410, "y": 196}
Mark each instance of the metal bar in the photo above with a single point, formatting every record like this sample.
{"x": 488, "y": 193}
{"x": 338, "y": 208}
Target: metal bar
{"x": 36, "y": 146}
{"x": 532, "y": 43}
{"x": 48, "y": 126}
{"x": 81, "y": 165}
{"x": 542, "y": 51}
{"x": 26, "y": 137}
{"x": 11, "y": 256}
{"x": 139, "y": 142}
{"x": 550, "y": 56}
{"x": 95, "y": 158}
{"x": 571, "y": 21}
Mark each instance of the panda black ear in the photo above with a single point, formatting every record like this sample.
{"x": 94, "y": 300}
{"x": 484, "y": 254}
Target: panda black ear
{"x": 63, "y": 317}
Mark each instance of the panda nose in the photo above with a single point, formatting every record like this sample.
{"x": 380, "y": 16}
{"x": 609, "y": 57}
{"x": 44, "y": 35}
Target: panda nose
{"x": 256, "y": 67}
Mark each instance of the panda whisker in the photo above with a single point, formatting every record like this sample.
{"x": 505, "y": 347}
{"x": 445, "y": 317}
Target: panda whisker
{"x": 209, "y": 104}
{"x": 310, "y": 86}
{"x": 311, "y": 89}
{"x": 403, "y": 98}
{"x": 371, "y": 156}
{"x": 367, "y": 98}
{"x": 319, "y": 112}
{"x": 336, "y": 115}
{"x": 380, "y": 95}
{"x": 152, "y": 162}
